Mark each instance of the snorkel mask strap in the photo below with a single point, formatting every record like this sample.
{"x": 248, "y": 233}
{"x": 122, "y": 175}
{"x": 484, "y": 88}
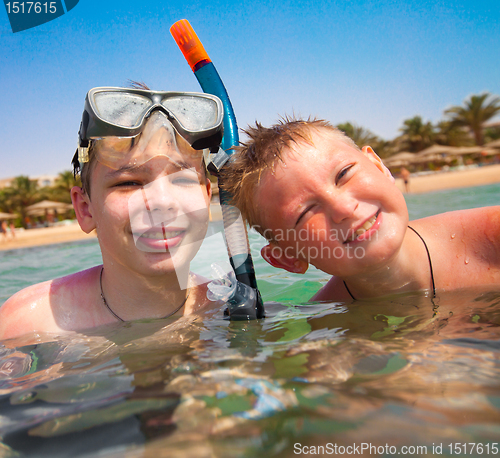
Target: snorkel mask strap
{"x": 216, "y": 161}
{"x": 83, "y": 154}
{"x": 83, "y": 144}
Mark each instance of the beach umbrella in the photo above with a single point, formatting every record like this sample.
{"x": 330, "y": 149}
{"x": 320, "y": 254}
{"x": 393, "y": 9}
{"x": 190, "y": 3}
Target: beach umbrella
{"x": 399, "y": 159}
{"x": 463, "y": 150}
{"x": 493, "y": 144}
{"x": 46, "y": 205}
{"x": 435, "y": 153}
{"x": 7, "y": 216}
{"x": 429, "y": 156}
{"x": 435, "y": 149}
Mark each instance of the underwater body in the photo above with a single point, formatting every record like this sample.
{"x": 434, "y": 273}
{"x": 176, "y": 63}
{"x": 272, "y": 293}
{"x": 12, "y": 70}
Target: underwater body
{"x": 399, "y": 375}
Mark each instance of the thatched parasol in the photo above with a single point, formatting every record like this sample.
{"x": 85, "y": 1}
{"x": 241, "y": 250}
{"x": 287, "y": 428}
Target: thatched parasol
{"x": 7, "y": 216}
{"x": 493, "y": 144}
{"x": 399, "y": 159}
{"x": 463, "y": 150}
{"x": 44, "y": 206}
{"x": 435, "y": 149}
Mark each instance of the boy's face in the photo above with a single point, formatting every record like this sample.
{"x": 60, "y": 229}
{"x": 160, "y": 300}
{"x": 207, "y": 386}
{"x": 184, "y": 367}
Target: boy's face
{"x": 330, "y": 205}
{"x": 151, "y": 217}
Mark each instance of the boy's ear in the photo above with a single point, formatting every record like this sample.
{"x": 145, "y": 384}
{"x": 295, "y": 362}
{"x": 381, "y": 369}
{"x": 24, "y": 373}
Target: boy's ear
{"x": 275, "y": 256}
{"x": 209, "y": 189}
{"x": 81, "y": 204}
{"x": 370, "y": 154}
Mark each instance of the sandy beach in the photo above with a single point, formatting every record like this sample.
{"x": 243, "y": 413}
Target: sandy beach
{"x": 418, "y": 184}
{"x": 60, "y": 234}
{"x": 449, "y": 180}
{"x": 44, "y": 236}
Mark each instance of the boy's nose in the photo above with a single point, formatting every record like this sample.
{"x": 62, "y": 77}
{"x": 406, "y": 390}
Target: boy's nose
{"x": 342, "y": 206}
{"x": 161, "y": 200}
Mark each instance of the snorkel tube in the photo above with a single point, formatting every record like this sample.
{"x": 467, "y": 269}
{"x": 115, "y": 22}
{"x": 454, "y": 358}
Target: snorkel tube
{"x": 234, "y": 227}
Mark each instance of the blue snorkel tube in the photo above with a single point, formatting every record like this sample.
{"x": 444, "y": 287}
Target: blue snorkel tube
{"x": 245, "y": 304}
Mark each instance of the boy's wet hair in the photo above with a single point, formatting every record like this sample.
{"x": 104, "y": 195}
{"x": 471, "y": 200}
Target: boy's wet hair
{"x": 261, "y": 153}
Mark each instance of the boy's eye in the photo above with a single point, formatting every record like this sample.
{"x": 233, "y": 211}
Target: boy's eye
{"x": 342, "y": 173}
{"x": 127, "y": 183}
{"x": 304, "y": 213}
{"x": 186, "y": 181}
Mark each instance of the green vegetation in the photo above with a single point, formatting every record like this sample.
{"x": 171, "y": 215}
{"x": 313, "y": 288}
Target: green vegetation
{"x": 417, "y": 135}
{"x": 24, "y": 192}
{"x": 477, "y": 110}
{"x": 463, "y": 126}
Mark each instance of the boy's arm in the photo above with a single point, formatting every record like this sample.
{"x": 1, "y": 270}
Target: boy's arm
{"x": 492, "y": 229}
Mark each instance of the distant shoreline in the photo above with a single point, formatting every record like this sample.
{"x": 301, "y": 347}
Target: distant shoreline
{"x": 61, "y": 234}
{"x": 45, "y": 236}
{"x": 418, "y": 184}
{"x": 439, "y": 181}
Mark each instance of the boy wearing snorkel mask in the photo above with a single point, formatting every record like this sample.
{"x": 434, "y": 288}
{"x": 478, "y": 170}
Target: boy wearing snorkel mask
{"x": 146, "y": 194}
{"x": 319, "y": 199}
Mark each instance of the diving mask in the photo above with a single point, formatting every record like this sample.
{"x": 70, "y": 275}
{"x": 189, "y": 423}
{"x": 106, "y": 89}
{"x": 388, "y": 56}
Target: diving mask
{"x": 123, "y": 114}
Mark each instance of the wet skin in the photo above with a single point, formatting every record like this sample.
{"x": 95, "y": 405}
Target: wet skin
{"x": 141, "y": 272}
{"x": 322, "y": 195}
{"x": 337, "y": 208}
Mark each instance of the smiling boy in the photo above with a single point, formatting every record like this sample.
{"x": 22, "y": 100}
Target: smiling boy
{"x": 319, "y": 199}
{"x": 145, "y": 193}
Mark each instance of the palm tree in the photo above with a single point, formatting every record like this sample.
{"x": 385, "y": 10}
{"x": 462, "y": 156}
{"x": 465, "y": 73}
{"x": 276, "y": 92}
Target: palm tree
{"x": 417, "y": 135}
{"x": 384, "y": 148}
{"x": 478, "y": 109}
{"x": 4, "y": 201}
{"x": 60, "y": 192}
{"x": 358, "y": 134}
{"x": 21, "y": 193}
{"x": 450, "y": 134}
{"x": 491, "y": 133}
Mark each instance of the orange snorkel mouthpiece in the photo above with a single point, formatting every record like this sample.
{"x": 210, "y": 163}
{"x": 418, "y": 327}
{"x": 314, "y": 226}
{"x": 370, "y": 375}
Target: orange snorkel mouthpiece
{"x": 189, "y": 44}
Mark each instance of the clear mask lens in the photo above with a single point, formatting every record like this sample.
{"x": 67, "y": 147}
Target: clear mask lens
{"x": 193, "y": 113}
{"x": 122, "y": 109}
{"x": 158, "y": 138}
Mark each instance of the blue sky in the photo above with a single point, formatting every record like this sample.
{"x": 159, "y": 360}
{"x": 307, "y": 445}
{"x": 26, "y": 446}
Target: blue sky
{"x": 374, "y": 63}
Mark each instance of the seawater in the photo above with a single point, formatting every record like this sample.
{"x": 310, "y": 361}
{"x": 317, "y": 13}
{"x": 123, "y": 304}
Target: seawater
{"x": 397, "y": 376}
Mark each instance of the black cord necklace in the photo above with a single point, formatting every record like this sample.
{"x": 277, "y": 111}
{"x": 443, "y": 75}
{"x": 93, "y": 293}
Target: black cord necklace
{"x": 121, "y": 319}
{"x": 430, "y": 266}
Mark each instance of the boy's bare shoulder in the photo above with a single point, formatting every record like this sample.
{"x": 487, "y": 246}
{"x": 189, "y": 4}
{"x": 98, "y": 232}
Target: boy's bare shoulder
{"x": 484, "y": 214}
{"x": 24, "y": 311}
{"x": 40, "y": 307}
{"x": 468, "y": 240}
{"x": 483, "y": 223}
{"x": 334, "y": 290}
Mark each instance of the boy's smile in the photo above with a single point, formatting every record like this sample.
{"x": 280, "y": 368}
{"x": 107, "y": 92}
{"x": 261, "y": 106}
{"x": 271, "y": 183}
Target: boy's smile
{"x": 159, "y": 239}
{"x": 331, "y": 205}
{"x": 365, "y": 230}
